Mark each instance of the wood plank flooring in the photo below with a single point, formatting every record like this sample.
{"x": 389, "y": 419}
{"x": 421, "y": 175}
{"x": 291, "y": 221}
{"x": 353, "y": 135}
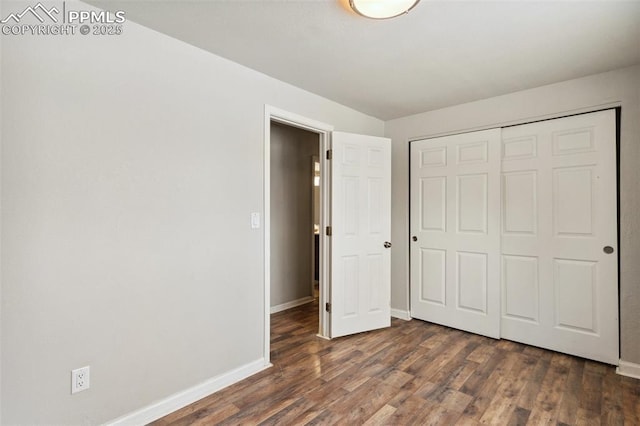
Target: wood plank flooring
{"x": 415, "y": 373}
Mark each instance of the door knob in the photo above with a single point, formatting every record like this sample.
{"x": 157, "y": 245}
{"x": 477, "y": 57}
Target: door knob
{"x": 414, "y": 238}
{"x": 608, "y": 249}
{"x": 387, "y": 244}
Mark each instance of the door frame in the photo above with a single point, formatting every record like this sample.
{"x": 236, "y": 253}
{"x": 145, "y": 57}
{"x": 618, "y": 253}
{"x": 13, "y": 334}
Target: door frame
{"x": 323, "y": 131}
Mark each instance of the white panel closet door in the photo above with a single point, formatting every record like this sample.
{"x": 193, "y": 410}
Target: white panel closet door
{"x": 559, "y": 215}
{"x": 361, "y": 225}
{"x": 455, "y": 228}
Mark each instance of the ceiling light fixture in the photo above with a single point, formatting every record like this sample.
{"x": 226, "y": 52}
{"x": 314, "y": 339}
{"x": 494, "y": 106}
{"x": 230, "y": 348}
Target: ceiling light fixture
{"x": 382, "y": 9}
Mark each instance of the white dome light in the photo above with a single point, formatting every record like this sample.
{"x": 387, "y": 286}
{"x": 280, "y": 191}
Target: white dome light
{"x": 382, "y": 9}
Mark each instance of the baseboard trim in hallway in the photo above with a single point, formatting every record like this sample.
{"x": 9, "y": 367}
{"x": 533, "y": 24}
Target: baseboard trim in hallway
{"x": 292, "y": 304}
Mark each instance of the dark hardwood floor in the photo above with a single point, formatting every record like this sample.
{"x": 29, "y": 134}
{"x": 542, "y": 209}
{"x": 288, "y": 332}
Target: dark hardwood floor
{"x": 415, "y": 373}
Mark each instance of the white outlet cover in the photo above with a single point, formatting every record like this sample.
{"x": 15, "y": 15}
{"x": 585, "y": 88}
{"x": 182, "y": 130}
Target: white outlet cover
{"x": 80, "y": 379}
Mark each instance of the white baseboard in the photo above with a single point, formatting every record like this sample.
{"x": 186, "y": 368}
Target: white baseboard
{"x": 292, "y": 304}
{"x": 403, "y": 315}
{"x": 179, "y": 400}
{"x": 628, "y": 369}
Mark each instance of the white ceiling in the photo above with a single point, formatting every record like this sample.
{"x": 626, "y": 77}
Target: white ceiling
{"x": 442, "y": 53}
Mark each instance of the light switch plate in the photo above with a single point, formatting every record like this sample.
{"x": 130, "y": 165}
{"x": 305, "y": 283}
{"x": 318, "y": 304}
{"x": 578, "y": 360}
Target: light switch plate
{"x": 255, "y": 220}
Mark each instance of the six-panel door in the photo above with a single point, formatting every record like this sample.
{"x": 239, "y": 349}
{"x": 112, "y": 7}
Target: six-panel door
{"x": 455, "y": 243}
{"x": 559, "y": 235}
{"x": 361, "y": 233}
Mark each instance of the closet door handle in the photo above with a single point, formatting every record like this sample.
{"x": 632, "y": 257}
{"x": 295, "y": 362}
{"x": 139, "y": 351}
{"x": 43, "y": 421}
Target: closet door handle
{"x": 608, "y": 249}
{"x": 414, "y": 238}
{"x": 387, "y": 244}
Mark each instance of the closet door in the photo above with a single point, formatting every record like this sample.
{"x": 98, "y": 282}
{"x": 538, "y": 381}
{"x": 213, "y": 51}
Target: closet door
{"x": 559, "y": 235}
{"x": 455, "y": 228}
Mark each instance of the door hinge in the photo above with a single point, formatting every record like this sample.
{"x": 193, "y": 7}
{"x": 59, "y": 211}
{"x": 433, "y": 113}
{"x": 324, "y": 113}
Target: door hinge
{"x": 327, "y": 307}
{"x": 328, "y": 231}
{"x": 329, "y": 154}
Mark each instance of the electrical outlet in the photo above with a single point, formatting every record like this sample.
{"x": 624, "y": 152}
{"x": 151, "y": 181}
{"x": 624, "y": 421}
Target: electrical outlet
{"x": 80, "y": 379}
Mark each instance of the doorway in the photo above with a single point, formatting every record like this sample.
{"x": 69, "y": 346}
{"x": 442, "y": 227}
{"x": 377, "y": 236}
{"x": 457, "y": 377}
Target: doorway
{"x": 294, "y": 216}
{"x": 322, "y": 134}
{"x": 354, "y": 232}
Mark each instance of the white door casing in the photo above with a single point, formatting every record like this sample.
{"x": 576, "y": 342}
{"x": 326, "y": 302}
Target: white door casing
{"x": 324, "y": 132}
{"x": 455, "y": 229}
{"x": 559, "y": 211}
{"x": 361, "y": 224}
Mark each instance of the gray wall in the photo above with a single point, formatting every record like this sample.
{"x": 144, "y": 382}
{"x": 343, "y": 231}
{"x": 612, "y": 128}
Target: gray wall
{"x": 291, "y": 213}
{"x": 130, "y": 167}
{"x": 620, "y": 87}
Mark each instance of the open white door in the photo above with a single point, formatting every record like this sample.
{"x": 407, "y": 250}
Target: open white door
{"x": 455, "y": 228}
{"x": 361, "y": 231}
